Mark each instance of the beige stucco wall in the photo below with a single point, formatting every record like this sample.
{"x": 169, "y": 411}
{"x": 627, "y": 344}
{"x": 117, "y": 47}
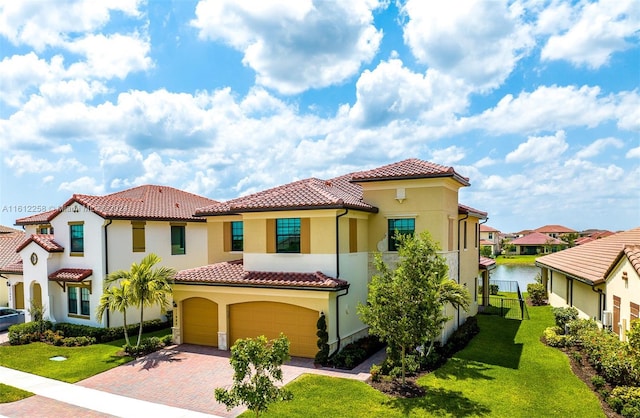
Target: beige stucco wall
{"x": 4, "y": 292}
{"x": 581, "y": 296}
{"x": 627, "y": 290}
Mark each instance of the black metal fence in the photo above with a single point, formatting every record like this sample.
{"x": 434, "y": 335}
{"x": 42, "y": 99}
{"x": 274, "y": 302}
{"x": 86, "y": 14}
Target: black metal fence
{"x": 506, "y": 300}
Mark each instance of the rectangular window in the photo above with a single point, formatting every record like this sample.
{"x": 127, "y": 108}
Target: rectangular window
{"x": 177, "y": 239}
{"x": 72, "y": 297}
{"x": 406, "y": 226}
{"x": 84, "y": 301}
{"x": 490, "y": 235}
{"x": 76, "y": 233}
{"x": 237, "y": 236}
{"x": 138, "y": 236}
{"x": 464, "y": 226}
{"x": 288, "y": 235}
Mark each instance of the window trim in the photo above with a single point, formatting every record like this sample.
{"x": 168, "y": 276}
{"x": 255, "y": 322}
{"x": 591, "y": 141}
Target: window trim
{"x": 80, "y": 290}
{"x": 233, "y": 236}
{"x": 392, "y": 245}
{"x": 288, "y": 235}
{"x": 71, "y": 239}
{"x": 183, "y": 244}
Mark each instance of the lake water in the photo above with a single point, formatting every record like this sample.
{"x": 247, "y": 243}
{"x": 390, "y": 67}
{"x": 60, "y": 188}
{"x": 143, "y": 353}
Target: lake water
{"x": 523, "y": 274}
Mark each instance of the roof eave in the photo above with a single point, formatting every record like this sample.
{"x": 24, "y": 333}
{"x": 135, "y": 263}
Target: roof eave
{"x": 288, "y": 208}
{"x": 256, "y": 286}
{"x": 570, "y": 275}
{"x": 455, "y": 176}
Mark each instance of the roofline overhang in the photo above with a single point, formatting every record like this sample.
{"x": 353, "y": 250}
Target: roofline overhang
{"x": 314, "y": 288}
{"x": 373, "y": 209}
{"x": 455, "y": 176}
{"x": 569, "y": 275}
{"x": 21, "y": 273}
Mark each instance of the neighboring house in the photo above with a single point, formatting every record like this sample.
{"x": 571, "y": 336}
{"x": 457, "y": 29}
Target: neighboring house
{"x": 282, "y": 257}
{"x": 554, "y": 231}
{"x": 592, "y": 235}
{"x": 537, "y": 243}
{"x": 68, "y": 252}
{"x": 10, "y": 261}
{"x": 600, "y": 278}
{"x": 490, "y": 237}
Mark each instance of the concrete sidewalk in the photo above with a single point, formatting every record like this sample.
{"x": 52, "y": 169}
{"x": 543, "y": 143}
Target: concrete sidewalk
{"x": 91, "y": 399}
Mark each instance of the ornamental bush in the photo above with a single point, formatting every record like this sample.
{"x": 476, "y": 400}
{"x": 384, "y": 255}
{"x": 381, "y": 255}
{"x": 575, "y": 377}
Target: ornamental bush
{"x": 625, "y": 400}
{"x": 27, "y": 332}
{"x": 537, "y": 294}
{"x": 564, "y": 315}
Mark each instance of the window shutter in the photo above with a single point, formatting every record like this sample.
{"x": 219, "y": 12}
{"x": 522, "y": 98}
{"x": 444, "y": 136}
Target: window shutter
{"x": 305, "y": 236}
{"x": 226, "y": 236}
{"x": 271, "y": 235}
{"x": 138, "y": 236}
{"x": 353, "y": 235}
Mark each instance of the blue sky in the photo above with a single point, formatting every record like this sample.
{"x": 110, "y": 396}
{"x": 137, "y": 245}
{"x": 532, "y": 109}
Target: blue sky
{"x": 537, "y": 102}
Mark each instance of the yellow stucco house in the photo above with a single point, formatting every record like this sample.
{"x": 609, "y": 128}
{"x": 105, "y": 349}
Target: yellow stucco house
{"x": 600, "y": 278}
{"x": 280, "y": 258}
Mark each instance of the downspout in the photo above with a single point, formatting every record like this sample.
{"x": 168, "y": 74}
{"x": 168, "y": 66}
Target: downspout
{"x": 338, "y": 276}
{"x": 459, "y": 259}
{"x": 106, "y": 257}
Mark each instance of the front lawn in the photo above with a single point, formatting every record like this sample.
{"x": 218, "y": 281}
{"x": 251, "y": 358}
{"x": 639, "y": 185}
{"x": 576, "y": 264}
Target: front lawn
{"x": 517, "y": 259}
{"x": 81, "y": 362}
{"x": 504, "y": 372}
{"x": 11, "y": 394}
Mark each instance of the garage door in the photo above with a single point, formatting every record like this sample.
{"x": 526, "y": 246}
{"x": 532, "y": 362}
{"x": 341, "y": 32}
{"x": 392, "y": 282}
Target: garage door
{"x": 270, "y": 319}
{"x": 200, "y": 322}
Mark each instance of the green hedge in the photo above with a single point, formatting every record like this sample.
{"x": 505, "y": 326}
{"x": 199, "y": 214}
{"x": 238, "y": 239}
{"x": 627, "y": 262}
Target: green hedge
{"x": 29, "y": 331}
{"x": 625, "y": 400}
{"x": 108, "y": 334}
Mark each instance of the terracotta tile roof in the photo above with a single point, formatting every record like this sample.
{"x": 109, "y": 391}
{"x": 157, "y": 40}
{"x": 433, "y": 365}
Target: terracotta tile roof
{"x": 487, "y": 263}
{"x": 412, "y": 168}
{"x": 537, "y": 238}
{"x": 486, "y": 242}
{"x": 233, "y": 273}
{"x": 583, "y": 240}
{"x": 339, "y": 192}
{"x": 303, "y": 194}
{"x": 7, "y": 230}
{"x": 45, "y": 241}
{"x": 547, "y": 229}
{"x": 591, "y": 262}
{"x": 150, "y": 202}
{"x": 487, "y": 228}
{"x": 39, "y": 218}
{"x": 468, "y": 210}
{"x": 70, "y": 275}
{"x": 10, "y": 260}
{"x": 633, "y": 254}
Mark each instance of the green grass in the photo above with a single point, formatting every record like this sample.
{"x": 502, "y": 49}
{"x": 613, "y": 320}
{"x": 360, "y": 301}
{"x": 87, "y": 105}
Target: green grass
{"x": 81, "y": 363}
{"x": 11, "y": 394}
{"x": 504, "y": 372}
{"x": 516, "y": 259}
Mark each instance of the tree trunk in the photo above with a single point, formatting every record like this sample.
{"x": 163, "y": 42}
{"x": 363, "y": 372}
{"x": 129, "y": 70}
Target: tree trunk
{"x": 404, "y": 378}
{"x": 126, "y": 334}
{"x": 140, "y": 329}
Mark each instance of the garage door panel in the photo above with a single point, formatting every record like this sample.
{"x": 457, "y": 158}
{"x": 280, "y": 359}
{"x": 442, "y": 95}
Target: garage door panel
{"x": 200, "y": 322}
{"x": 249, "y": 320}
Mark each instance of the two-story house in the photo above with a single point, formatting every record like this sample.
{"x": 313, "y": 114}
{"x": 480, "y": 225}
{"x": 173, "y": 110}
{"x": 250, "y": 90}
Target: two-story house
{"x": 280, "y": 258}
{"x": 69, "y": 251}
{"x": 490, "y": 237}
{"x": 10, "y": 261}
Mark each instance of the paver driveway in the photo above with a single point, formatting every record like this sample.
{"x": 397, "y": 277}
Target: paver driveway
{"x": 185, "y": 376}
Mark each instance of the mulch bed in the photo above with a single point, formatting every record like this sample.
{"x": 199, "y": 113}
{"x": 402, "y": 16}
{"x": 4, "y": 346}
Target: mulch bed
{"x": 395, "y": 388}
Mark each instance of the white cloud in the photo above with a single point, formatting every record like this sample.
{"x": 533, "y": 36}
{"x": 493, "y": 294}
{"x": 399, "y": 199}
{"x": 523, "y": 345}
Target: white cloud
{"x": 449, "y": 155}
{"x": 392, "y": 91}
{"x": 550, "y": 108}
{"x": 478, "y": 41}
{"x": 596, "y": 30}
{"x": 82, "y": 185}
{"x": 539, "y": 149}
{"x": 43, "y": 24}
{"x": 485, "y": 162}
{"x": 324, "y": 42}
{"x": 633, "y": 153}
{"x": 25, "y": 163}
{"x": 598, "y": 146}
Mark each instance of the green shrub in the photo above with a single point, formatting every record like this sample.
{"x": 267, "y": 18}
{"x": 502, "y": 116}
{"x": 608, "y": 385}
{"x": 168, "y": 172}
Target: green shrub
{"x": 410, "y": 363}
{"x": 610, "y": 357}
{"x": 461, "y": 337}
{"x": 78, "y": 341}
{"x": 554, "y": 338}
{"x": 577, "y": 357}
{"x": 625, "y": 400}
{"x": 147, "y": 346}
{"x": 29, "y": 331}
{"x": 598, "y": 382}
{"x": 494, "y": 289}
{"x": 564, "y": 315}
{"x": 322, "y": 356}
{"x": 356, "y": 352}
{"x": 537, "y": 294}
{"x": 104, "y": 335}
{"x": 376, "y": 372}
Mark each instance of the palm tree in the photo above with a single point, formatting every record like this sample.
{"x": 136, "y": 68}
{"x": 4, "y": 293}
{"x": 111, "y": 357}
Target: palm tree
{"x": 150, "y": 286}
{"x": 117, "y": 298}
{"x": 147, "y": 285}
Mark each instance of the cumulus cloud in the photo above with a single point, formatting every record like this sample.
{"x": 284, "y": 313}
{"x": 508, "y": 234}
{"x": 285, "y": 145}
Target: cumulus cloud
{"x": 449, "y": 155}
{"x": 598, "y": 146}
{"x": 23, "y": 163}
{"x": 324, "y": 42}
{"x": 392, "y": 91}
{"x": 478, "y": 41}
{"x": 83, "y": 185}
{"x": 633, "y": 153}
{"x": 590, "y": 33}
{"x": 539, "y": 148}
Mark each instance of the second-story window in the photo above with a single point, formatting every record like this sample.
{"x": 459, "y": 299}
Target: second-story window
{"x": 237, "y": 236}
{"x": 288, "y": 235}
{"x": 138, "y": 236}
{"x": 76, "y": 235}
{"x": 404, "y": 226}
{"x": 178, "y": 238}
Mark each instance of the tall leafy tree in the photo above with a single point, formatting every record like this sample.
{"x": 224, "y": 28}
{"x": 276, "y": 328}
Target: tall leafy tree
{"x": 148, "y": 285}
{"x": 405, "y": 305}
{"x": 116, "y": 298}
{"x": 257, "y": 365}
